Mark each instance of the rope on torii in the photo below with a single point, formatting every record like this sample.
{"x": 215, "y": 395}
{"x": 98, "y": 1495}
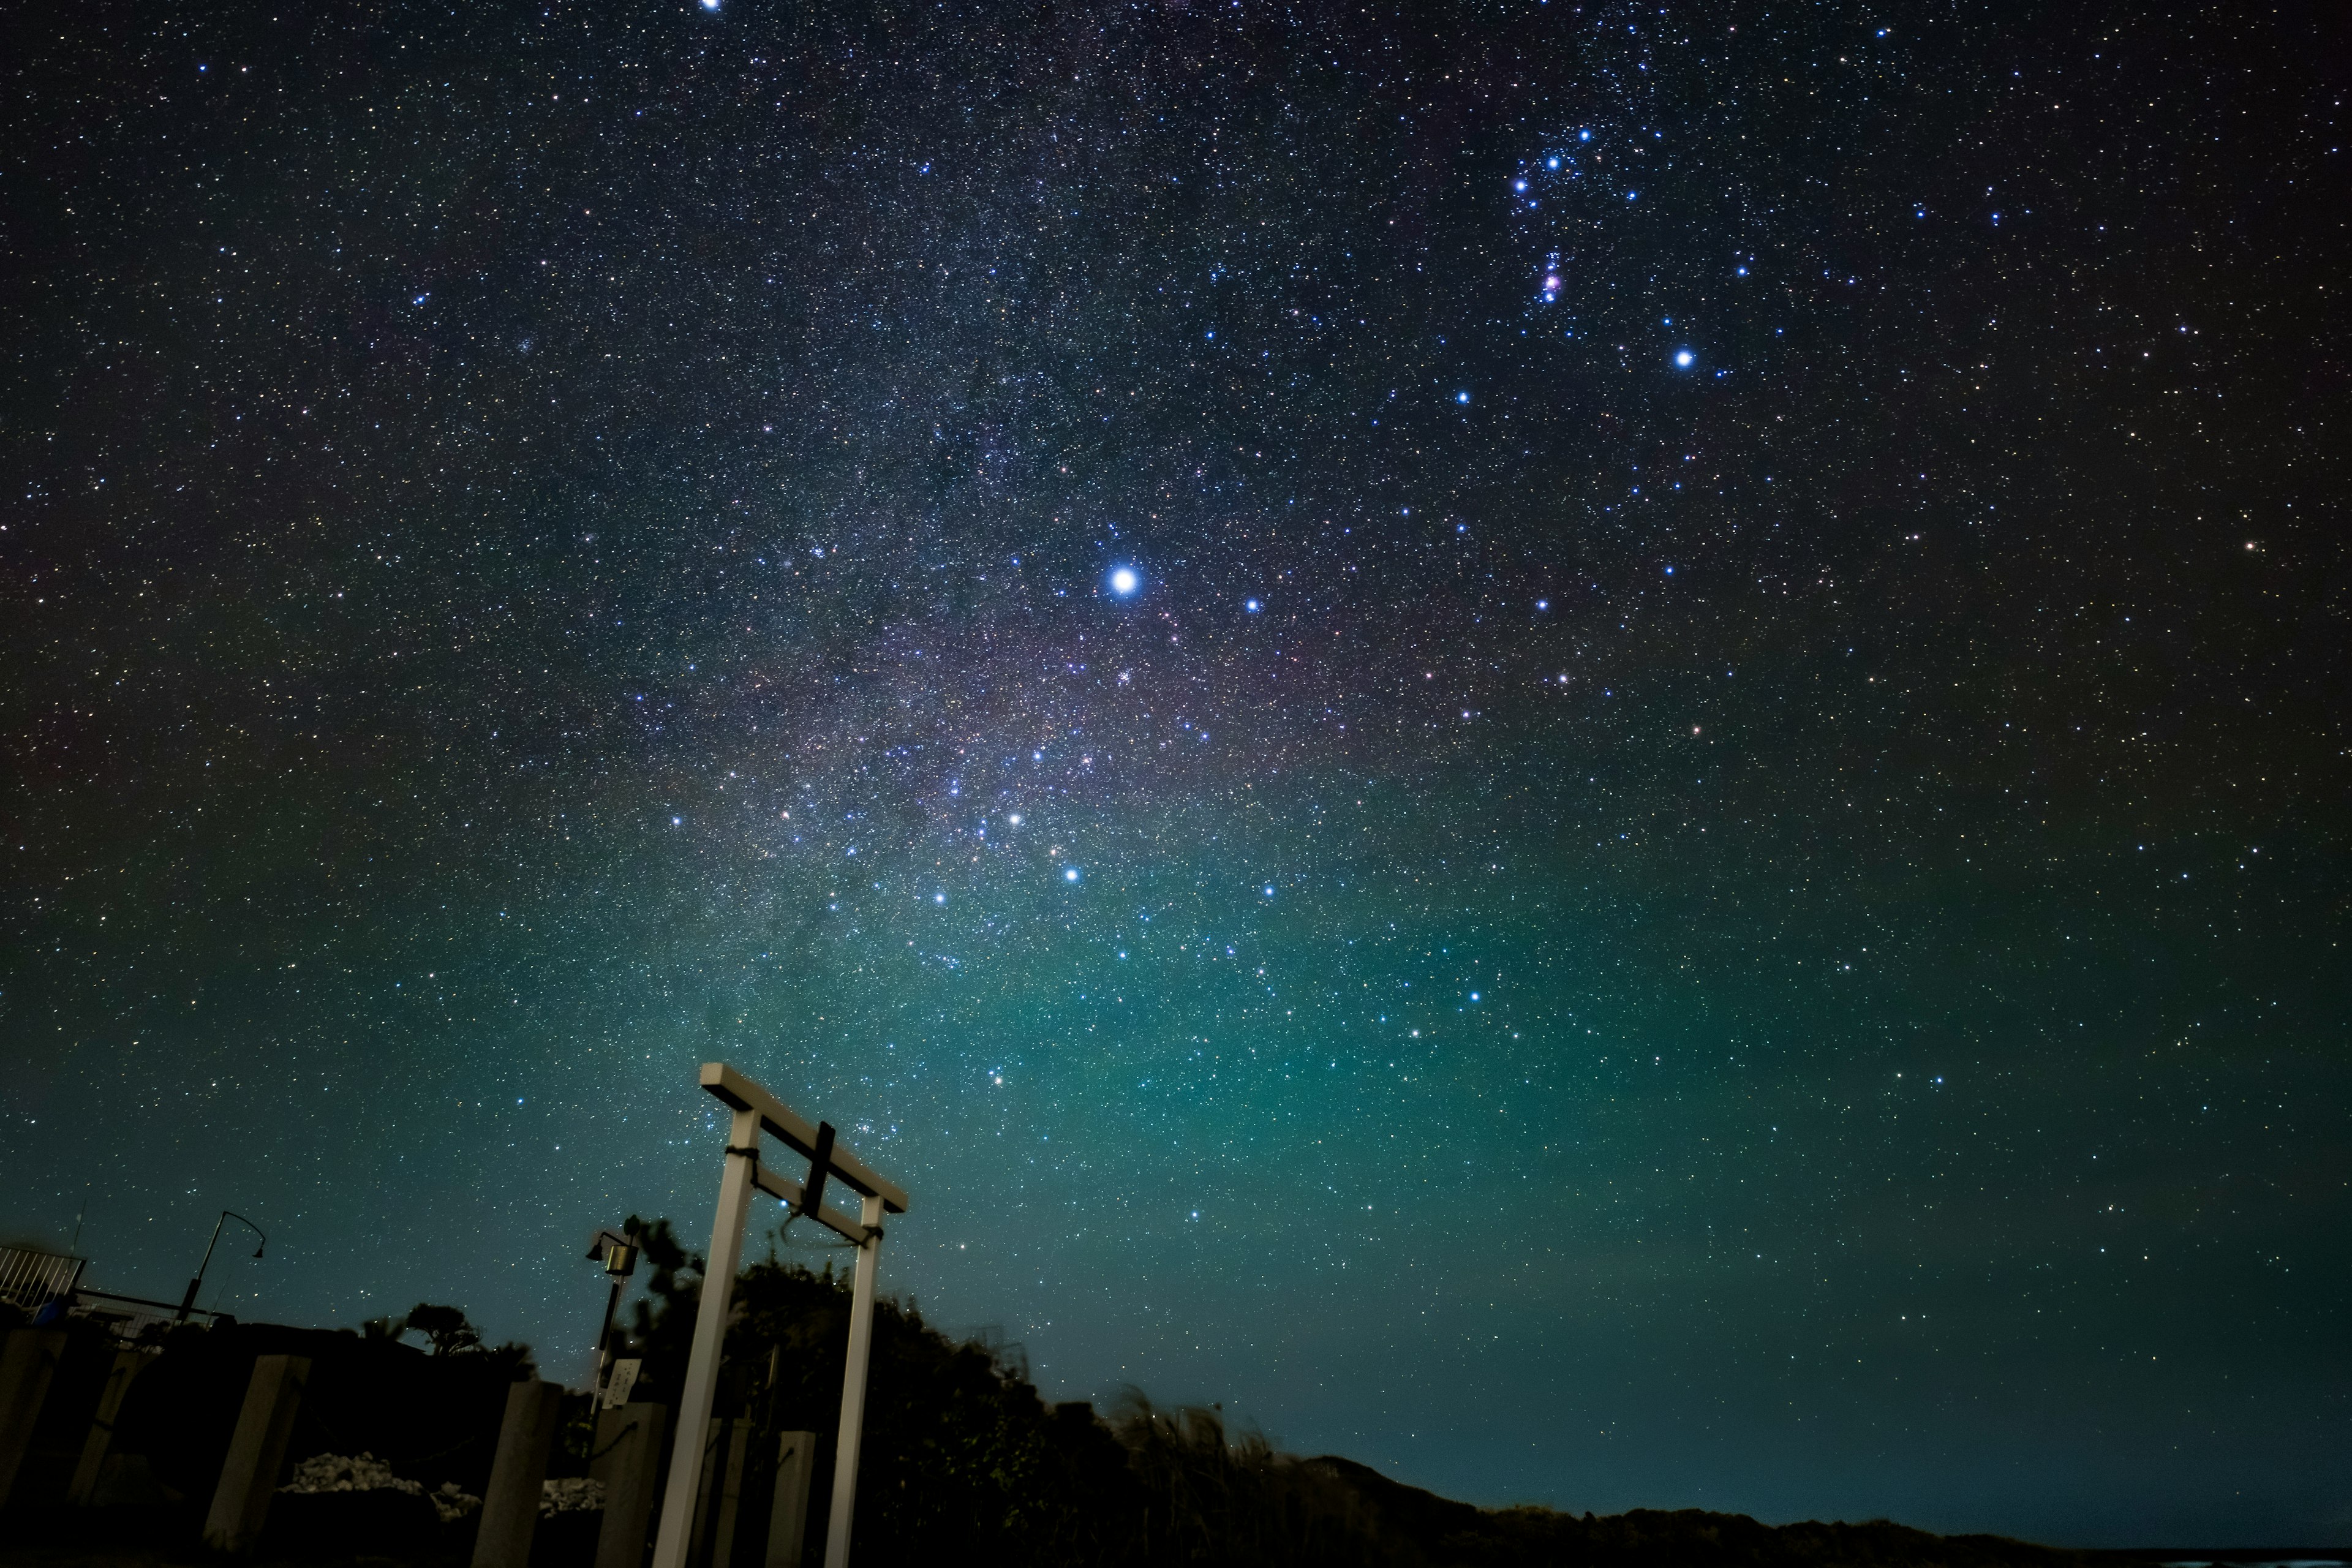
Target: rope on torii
{"x": 757, "y": 1114}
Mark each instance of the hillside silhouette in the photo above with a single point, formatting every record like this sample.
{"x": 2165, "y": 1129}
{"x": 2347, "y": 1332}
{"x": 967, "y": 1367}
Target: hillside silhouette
{"x": 963, "y": 1461}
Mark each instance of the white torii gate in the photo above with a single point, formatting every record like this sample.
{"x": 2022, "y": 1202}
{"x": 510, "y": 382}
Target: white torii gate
{"x": 758, "y": 1114}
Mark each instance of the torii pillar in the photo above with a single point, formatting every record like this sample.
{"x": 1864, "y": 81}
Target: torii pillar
{"x": 757, "y": 1114}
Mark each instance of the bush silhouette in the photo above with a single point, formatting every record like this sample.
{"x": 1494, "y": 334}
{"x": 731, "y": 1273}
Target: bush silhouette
{"x": 963, "y": 1461}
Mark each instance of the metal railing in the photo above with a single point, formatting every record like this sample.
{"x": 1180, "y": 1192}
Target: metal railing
{"x": 136, "y": 1314}
{"x": 32, "y": 1278}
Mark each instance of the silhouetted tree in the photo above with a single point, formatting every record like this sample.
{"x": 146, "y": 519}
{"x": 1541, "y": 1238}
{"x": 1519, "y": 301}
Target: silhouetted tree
{"x": 445, "y": 1327}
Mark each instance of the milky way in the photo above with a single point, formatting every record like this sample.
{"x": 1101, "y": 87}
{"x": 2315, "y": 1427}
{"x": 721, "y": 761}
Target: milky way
{"x": 1594, "y": 751}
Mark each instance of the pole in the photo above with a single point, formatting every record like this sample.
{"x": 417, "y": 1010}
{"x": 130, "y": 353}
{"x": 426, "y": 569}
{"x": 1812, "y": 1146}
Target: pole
{"x": 604, "y": 1355}
{"x": 189, "y": 1299}
{"x": 853, "y": 1389}
{"x": 670, "y": 1543}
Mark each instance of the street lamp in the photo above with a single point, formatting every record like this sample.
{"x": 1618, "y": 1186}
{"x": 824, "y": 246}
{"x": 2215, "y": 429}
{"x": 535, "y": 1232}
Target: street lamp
{"x": 618, "y": 1253}
{"x": 189, "y": 1300}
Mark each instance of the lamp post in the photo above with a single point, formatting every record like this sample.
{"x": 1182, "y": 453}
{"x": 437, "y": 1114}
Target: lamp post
{"x": 189, "y": 1300}
{"x": 618, "y": 1253}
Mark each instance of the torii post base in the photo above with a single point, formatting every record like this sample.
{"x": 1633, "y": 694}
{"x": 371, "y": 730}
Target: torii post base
{"x": 758, "y": 1114}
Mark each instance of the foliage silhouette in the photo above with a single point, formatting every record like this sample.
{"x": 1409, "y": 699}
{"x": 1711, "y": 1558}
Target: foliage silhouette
{"x": 960, "y": 1456}
{"x": 1211, "y": 1500}
{"x": 445, "y": 1327}
{"x": 963, "y": 1461}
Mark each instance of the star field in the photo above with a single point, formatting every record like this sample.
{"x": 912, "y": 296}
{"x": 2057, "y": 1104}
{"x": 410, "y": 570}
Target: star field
{"x": 1597, "y": 752}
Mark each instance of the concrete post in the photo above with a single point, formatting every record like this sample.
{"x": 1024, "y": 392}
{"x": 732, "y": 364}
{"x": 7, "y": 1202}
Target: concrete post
{"x": 256, "y": 1453}
{"x": 720, "y": 1500}
{"x": 853, "y": 1388}
{"x": 627, "y": 1460}
{"x": 128, "y": 1364}
{"x": 510, "y": 1502}
{"x": 26, "y": 1363}
{"x": 788, "y": 1516}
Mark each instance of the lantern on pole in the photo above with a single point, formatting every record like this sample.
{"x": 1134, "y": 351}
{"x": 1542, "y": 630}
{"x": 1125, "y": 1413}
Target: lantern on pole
{"x": 618, "y": 1253}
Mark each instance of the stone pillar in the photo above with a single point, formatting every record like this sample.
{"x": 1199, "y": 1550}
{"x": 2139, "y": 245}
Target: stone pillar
{"x": 627, "y": 1460}
{"x": 256, "y": 1453}
{"x": 719, "y": 1498}
{"x": 27, "y": 1361}
{"x": 128, "y": 1364}
{"x": 510, "y": 1502}
{"x": 788, "y": 1516}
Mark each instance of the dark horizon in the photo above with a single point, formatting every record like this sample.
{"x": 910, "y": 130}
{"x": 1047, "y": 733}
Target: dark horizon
{"x": 1598, "y": 752}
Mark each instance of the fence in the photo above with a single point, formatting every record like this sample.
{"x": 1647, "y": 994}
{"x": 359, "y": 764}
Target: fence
{"x": 33, "y": 1278}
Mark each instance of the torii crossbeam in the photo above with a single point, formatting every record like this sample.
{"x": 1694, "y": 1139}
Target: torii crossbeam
{"x": 760, "y": 1114}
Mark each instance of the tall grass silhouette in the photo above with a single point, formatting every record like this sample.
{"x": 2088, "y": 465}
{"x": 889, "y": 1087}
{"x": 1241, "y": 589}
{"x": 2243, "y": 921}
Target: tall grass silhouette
{"x": 1212, "y": 1497}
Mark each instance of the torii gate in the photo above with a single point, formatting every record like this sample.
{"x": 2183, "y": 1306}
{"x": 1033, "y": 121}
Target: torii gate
{"x": 757, "y": 1113}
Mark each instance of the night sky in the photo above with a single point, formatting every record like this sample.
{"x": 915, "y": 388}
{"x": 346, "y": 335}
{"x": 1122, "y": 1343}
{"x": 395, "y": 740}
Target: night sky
{"x": 1600, "y": 752}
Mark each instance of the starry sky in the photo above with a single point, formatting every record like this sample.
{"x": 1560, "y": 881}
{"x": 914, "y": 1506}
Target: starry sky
{"x": 1598, "y": 752}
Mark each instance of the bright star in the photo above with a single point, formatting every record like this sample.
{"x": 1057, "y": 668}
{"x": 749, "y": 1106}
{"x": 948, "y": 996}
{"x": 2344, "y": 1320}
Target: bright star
{"x": 1684, "y": 359}
{"x": 1253, "y": 606}
{"x": 1070, "y": 874}
{"x": 1014, "y": 819}
{"x": 1123, "y": 581}
{"x": 939, "y": 897}
{"x": 1460, "y": 397}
